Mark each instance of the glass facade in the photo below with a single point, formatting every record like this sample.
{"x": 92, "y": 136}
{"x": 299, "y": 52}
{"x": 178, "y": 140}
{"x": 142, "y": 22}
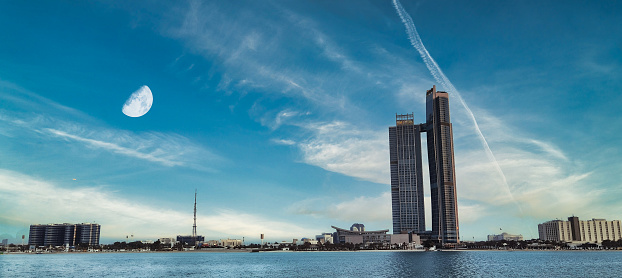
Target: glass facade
{"x": 406, "y": 176}
{"x": 406, "y": 171}
{"x": 63, "y": 234}
{"x": 442, "y": 170}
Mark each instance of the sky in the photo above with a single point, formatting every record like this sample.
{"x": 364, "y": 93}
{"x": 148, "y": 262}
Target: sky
{"x": 277, "y": 113}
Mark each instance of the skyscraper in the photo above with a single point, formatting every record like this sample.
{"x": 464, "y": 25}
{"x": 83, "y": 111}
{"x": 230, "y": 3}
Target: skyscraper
{"x": 406, "y": 171}
{"x": 441, "y": 165}
{"x": 406, "y": 176}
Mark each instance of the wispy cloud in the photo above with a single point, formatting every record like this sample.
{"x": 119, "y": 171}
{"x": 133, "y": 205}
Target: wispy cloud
{"x": 287, "y": 142}
{"x": 152, "y": 156}
{"x": 342, "y": 148}
{"x": 359, "y": 209}
{"x": 165, "y": 149}
{"x": 540, "y": 176}
{"x": 120, "y": 216}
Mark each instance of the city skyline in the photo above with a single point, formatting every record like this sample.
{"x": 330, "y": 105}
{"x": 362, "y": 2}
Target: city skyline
{"x": 277, "y": 113}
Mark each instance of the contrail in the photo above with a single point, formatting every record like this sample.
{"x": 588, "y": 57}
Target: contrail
{"x": 440, "y": 77}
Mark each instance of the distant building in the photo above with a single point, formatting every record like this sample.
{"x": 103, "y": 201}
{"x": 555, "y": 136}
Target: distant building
{"x": 64, "y": 234}
{"x": 167, "y": 241}
{"x": 326, "y": 237}
{"x": 5, "y": 242}
{"x": 230, "y": 242}
{"x": 355, "y": 236}
{"x": 307, "y": 240}
{"x": 191, "y": 240}
{"x": 594, "y": 231}
{"x": 211, "y": 243}
{"x": 506, "y": 237}
{"x": 357, "y": 227}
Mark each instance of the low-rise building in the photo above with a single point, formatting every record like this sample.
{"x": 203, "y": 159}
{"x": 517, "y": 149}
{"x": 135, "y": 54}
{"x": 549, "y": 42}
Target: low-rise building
{"x": 506, "y": 237}
{"x": 230, "y": 242}
{"x": 358, "y": 235}
{"x": 191, "y": 240}
{"x": 324, "y": 238}
{"x": 167, "y": 241}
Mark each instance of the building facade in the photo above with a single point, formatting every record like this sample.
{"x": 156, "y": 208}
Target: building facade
{"x": 505, "y": 236}
{"x": 191, "y": 240}
{"x": 406, "y": 171}
{"x": 593, "y": 231}
{"x": 324, "y": 238}
{"x": 441, "y": 166}
{"x": 406, "y": 176}
{"x": 65, "y": 234}
{"x": 361, "y": 237}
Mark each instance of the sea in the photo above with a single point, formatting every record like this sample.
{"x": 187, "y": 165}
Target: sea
{"x": 317, "y": 264}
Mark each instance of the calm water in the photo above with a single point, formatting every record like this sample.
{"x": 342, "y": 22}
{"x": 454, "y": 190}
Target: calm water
{"x": 317, "y": 264}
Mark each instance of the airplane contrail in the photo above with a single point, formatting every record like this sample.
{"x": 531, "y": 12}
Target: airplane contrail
{"x": 440, "y": 77}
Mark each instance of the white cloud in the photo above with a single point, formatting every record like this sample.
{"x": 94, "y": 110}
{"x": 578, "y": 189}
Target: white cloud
{"x": 165, "y": 149}
{"x": 543, "y": 183}
{"x": 359, "y": 209}
{"x": 340, "y": 147}
{"x": 25, "y": 200}
{"x": 286, "y": 142}
{"x": 153, "y": 156}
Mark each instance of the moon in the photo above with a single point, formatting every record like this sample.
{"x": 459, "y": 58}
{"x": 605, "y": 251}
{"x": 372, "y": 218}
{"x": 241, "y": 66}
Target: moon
{"x": 138, "y": 103}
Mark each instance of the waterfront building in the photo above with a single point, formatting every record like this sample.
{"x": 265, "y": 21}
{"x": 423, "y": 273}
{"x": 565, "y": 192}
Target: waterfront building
{"x": 64, "y": 234}
{"x": 441, "y": 166}
{"x": 167, "y": 241}
{"x": 326, "y": 237}
{"x": 5, "y": 242}
{"x": 230, "y": 242}
{"x": 361, "y": 237}
{"x": 88, "y": 233}
{"x": 407, "y": 203}
{"x": 555, "y": 230}
{"x": 191, "y": 240}
{"x": 592, "y": 231}
{"x": 506, "y": 237}
{"x": 36, "y": 236}
{"x": 406, "y": 171}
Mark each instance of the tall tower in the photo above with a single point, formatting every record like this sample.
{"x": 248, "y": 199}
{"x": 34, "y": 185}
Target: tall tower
{"x": 441, "y": 165}
{"x": 194, "y": 227}
{"x": 406, "y": 176}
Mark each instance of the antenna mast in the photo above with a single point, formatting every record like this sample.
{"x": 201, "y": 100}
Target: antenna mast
{"x": 194, "y": 227}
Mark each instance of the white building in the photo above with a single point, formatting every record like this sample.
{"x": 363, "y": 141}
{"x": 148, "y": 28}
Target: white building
{"x": 597, "y": 230}
{"x": 505, "y": 236}
{"x": 230, "y": 242}
{"x": 594, "y": 231}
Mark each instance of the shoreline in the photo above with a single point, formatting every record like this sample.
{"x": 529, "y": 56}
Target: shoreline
{"x": 323, "y": 251}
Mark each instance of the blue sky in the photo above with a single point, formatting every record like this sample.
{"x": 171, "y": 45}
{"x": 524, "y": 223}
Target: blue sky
{"x": 277, "y": 112}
